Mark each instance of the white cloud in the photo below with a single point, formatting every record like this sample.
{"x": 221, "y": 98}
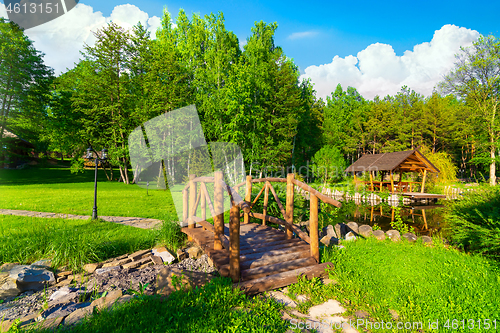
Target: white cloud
{"x": 303, "y": 34}
{"x": 63, "y": 38}
{"x": 377, "y": 70}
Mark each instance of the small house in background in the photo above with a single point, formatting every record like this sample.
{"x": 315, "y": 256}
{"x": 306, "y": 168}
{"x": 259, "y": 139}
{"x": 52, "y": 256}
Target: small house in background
{"x": 15, "y": 150}
{"x": 392, "y": 164}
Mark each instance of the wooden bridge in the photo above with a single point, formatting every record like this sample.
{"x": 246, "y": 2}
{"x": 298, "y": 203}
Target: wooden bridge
{"x": 256, "y": 256}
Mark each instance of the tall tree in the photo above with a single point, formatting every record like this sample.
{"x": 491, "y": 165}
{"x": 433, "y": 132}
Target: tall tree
{"x": 476, "y": 79}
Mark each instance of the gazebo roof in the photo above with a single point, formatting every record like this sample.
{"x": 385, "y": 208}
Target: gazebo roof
{"x": 405, "y": 161}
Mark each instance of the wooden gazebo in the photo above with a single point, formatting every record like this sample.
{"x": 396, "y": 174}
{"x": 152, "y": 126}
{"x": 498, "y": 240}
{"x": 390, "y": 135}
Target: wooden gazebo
{"x": 397, "y": 162}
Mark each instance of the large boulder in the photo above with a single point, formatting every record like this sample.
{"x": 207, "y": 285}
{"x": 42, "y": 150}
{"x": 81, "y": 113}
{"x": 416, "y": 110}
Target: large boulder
{"x": 365, "y": 230}
{"x": 353, "y": 226}
{"x": 340, "y": 230}
{"x": 329, "y": 240}
{"x": 379, "y": 234}
{"x": 330, "y": 231}
{"x": 163, "y": 253}
{"x": 410, "y": 237}
{"x": 31, "y": 278}
{"x": 394, "y": 235}
{"x": 350, "y": 236}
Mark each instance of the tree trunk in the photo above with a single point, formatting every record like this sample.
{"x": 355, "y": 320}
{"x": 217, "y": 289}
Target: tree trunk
{"x": 492, "y": 166}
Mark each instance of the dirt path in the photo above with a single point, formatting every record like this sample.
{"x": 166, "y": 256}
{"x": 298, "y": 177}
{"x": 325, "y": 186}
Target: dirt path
{"x": 138, "y": 222}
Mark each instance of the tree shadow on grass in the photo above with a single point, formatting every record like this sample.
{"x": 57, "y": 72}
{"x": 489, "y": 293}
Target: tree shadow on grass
{"x": 38, "y": 175}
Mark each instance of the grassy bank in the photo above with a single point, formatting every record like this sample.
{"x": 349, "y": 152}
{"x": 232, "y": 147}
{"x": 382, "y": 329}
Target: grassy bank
{"x": 73, "y": 243}
{"x": 422, "y": 284}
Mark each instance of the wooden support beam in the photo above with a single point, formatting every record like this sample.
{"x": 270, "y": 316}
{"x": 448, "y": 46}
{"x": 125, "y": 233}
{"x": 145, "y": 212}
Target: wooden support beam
{"x": 203, "y": 202}
{"x": 248, "y": 197}
{"x": 423, "y": 182}
{"x": 266, "y": 201}
{"x": 371, "y": 180}
{"x": 219, "y": 210}
{"x": 234, "y": 243}
{"x": 207, "y": 198}
{"x": 289, "y": 204}
{"x": 192, "y": 199}
{"x": 278, "y": 201}
{"x": 321, "y": 196}
{"x": 392, "y": 183}
{"x": 313, "y": 227}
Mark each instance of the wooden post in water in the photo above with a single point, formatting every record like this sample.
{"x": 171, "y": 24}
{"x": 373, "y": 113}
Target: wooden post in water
{"x": 203, "y": 204}
{"x": 289, "y": 204}
{"x": 423, "y": 182}
{"x": 192, "y": 200}
{"x": 266, "y": 201}
{"x": 248, "y": 197}
{"x": 313, "y": 227}
{"x": 234, "y": 243}
{"x": 219, "y": 209}
{"x": 425, "y": 219}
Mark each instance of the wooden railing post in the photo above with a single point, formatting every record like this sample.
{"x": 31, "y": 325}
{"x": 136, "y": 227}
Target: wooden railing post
{"x": 192, "y": 201}
{"x": 266, "y": 202}
{"x": 313, "y": 227}
{"x": 234, "y": 243}
{"x": 289, "y": 203}
{"x": 248, "y": 197}
{"x": 219, "y": 209}
{"x": 203, "y": 204}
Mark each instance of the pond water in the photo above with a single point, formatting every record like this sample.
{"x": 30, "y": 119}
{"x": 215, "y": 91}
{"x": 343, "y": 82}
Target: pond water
{"x": 425, "y": 219}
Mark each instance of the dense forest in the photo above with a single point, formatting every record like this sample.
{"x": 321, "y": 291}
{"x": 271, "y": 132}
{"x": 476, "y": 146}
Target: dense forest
{"x": 250, "y": 96}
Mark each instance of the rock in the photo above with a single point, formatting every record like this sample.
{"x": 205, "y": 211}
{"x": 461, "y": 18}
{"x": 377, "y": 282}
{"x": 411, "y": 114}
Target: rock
{"x": 328, "y": 281}
{"x": 44, "y": 263}
{"x": 60, "y": 294}
{"x": 394, "y": 314}
{"x": 282, "y": 298}
{"x": 135, "y": 264}
{"x": 365, "y": 230}
{"x": 123, "y": 299}
{"x": 52, "y": 323}
{"x": 350, "y": 236}
{"x": 164, "y": 254}
{"x": 108, "y": 301}
{"x": 5, "y": 325}
{"x": 329, "y": 240}
{"x": 64, "y": 274}
{"x": 353, "y": 226}
{"x": 147, "y": 264}
{"x": 140, "y": 254}
{"x": 361, "y": 314}
{"x": 410, "y": 237}
{"x": 378, "y": 234}
{"x": 340, "y": 230}
{"x": 7, "y": 267}
{"x": 326, "y": 309}
{"x": 62, "y": 310}
{"x": 117, "y": 263}
{"x": 426, "y": 240}
{"x": 90, "y": 268}
{"x": 330, "y": 231}
{"x": 181, "y": 255}
{"x": 78, "y": 315}
{"x": 108, "y": 269}
{"x": 194, "y": 252}
{"x": 29, "y": 278}
{"x": 63, "y": 283}
{"x": 393, "y": 235}
{"x": 7, "y": 293}
{"x": 166, "y": 283}
{"x": 28, "y": 319}
{"x": 157, "y": 260}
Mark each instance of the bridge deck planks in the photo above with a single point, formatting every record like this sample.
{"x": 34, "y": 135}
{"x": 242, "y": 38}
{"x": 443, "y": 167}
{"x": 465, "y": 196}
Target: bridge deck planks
{"x": 266, "y": 256}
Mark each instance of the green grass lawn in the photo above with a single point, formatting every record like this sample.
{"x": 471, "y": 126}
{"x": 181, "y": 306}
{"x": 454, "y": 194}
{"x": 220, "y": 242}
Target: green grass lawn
{"x": 422, "y": 284}
{"x": 59, "y": 191}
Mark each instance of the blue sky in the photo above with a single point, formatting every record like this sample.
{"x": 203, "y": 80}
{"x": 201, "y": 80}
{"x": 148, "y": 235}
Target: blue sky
{"x": 367, "y": 39}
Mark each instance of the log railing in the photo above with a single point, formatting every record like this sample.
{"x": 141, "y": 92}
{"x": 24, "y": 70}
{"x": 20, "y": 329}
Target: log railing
{"x": 196, "y": 194}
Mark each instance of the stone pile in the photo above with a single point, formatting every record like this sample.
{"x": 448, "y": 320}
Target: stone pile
{"x": 48, "y": 300}
{"x": 333, "y": 235}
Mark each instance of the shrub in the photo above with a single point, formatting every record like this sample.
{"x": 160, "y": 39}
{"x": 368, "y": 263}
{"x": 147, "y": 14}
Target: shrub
{"x": 447, "y": 169}
{"x": 474, "y": 221}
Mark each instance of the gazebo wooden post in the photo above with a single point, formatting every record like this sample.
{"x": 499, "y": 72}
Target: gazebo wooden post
{"x": 400, "y": 180}
{"x": 423, "y": 181}
{"x": 313, "y": 227}
{"x": 381, "y": 180}
{"x": 234, "y": 243}
{"x": 371, "y": 180}
{"x": 248, "y": 197}
{"x": 266, "y": 201}
{"x": 392, "y": 183}
{"x": 289, "y": 204}
{"x": 192, "y": 200}
{"x": 219, "y": 210}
